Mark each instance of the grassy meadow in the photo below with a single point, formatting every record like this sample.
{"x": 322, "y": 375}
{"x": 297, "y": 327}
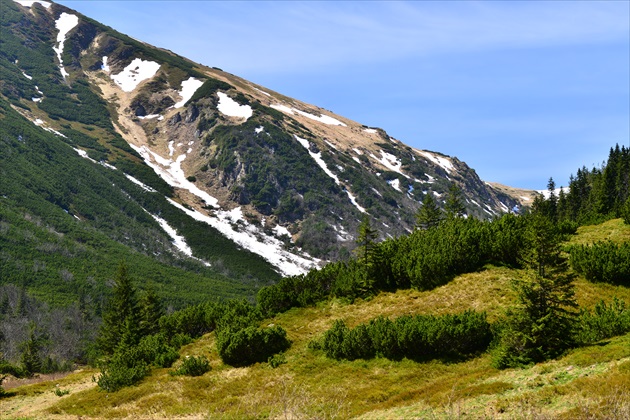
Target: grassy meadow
{"x": 587, "y": 382}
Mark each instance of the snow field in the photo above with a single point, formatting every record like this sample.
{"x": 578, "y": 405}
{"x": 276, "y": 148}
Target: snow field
{"x": 105, "y": 67}
{"x": 443, "y": 162}
{"x": 136, "y": 72}
{"x": 229, "y": 107}
{"x": 325, "y": 119}
{"x": 139, "y": 183}
{"x": 171, "y": 172}
{"x": 189, "y": 87}
{"x": 318, "y": 159}
{"x": 251, "y": 238}
{"x": 65, "y": 24}
{"x": 395, "y": 183}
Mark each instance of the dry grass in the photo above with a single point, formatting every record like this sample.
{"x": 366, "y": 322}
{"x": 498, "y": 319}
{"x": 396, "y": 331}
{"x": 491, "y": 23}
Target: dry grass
{"x": 614, "y": 230}
{"x": 589, "y": 382}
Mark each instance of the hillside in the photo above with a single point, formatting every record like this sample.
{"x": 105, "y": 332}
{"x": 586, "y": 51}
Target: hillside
{"x": 283, "y": 179}
{"x": 587, "y": 382}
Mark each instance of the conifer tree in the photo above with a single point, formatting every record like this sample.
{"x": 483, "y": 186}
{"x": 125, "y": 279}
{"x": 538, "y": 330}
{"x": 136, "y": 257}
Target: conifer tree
{"x": 454, "y": 205}
{"x": 31, "y": 360}
{"x": 541, "y": 327}
{"x": 429, "y": 215}
{"x": 551, "y": 204}
{"x": 366, "y": 249}
{"x": 122, "y": 315}
{"x": 150, "y": 313}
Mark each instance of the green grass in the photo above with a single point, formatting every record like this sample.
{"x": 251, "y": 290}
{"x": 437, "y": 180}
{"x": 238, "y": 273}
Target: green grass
{"x": 587, "y": 381}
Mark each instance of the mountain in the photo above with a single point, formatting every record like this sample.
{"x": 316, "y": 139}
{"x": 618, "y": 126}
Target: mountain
{"x": 206, "y": 151}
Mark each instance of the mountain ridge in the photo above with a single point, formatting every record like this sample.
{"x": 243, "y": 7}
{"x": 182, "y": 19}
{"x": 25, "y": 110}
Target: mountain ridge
{"x": 301, "y": 176}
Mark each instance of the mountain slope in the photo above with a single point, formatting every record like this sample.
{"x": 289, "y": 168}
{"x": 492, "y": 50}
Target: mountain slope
{"x": 284, "y": 179}
{"x": 590, "y": 381}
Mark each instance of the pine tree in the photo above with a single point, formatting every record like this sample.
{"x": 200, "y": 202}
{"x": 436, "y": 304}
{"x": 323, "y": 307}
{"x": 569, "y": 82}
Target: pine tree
{"x": 122, "y": 314}
{"x": 541, "y": 327}
{"x": 429, "y": 215}
{"x": 551, "y": 204}
{"x": 366, "y": 250}
{"x": 454, "y": 205}
{"x": 31, "y": 360}
{"x": 150, "y": 313}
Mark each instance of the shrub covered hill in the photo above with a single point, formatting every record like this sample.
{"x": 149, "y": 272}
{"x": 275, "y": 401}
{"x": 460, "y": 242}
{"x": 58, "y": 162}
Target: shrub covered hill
{"x": 145, "y": 200}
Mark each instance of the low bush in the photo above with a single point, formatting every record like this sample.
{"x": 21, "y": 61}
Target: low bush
{"x": 193, "y": 366}
{"x": 243, "y": 347}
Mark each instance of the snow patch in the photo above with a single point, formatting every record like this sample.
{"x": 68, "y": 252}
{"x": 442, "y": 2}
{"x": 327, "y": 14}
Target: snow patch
{"x": 231, "y": 108}
{"x": 441, "y": 161}
{"x": 281, "y": 231}
{"x": 391, "y": 162}
{"x": 370, "y": 131}
{"x": 357, "y": 151}
{"x": 139, "y": 183}
{"x": 318, "y": 159}
{"x": 38, "y": 122}
{"x": 189, "y": 87}
{"x": 27, "y": 76}
{"x": 325, "y": 119}
{"x": 251, "y": 238}
{"x": 395, "y": 183}
{"x": 171, "y": 172}
{"x": 356, "y": 159}
{"x": 547, "y": 194}
{"x": 331, "y": 145}
{"x": 263, "y": 92}
{"x": 84, "y": 155}
{"x": 136, "y": 72}
{"x": 353, "y": 200}
{"x": 259, "y": 130}
{"x": 150, "y": 117}
{"x": 178, "y": 240}
{"x": 105, "y": 67}
{"x": 65, "y": 24}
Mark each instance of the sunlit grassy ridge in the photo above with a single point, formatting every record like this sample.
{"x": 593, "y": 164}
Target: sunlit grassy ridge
{"x": 587, "y": 382}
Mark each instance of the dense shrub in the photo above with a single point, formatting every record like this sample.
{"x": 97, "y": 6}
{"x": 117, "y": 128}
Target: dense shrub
{"x": 125, "y": 368}
{"x": 421, "y": 337}
{"x": 602, "y": 262}
{"x": 193, "y": 366}
{"x": 250, "y": 345}
{"x": 604, "y": 322}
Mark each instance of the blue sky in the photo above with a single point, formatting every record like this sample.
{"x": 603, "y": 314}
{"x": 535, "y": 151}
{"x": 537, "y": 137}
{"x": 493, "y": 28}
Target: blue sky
{"x": 520, "y": 91}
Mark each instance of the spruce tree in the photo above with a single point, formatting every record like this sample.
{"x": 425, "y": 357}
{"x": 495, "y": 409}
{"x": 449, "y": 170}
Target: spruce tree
{"x": 454, "y": 205}
{"x": 31, "y": 360}
{"x": 429, "y": 215}
{"x": 541, "y": 326}
{"x": 150, "y": 312}
{"x": 551, "y": 204}
{"x": 366, "y": 250}
{"x": 122, "y": 314}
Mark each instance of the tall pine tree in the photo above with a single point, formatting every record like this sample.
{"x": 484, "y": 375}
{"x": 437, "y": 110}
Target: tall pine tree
{"x": 541, "y": 326}
{"x": 454, "y": 205}
{"x": 122, "y": 314}
{"x": 429, "y": 215}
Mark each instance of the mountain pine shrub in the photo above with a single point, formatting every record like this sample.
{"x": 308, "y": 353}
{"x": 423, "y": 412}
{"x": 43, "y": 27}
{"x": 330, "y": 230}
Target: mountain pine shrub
{"x": 193, "y": 366}
{"x": 420, "y": 337}
{"x": 243, "y": 347}
{"x": 603, "y": 322}
{"x": 605, "y": 262}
